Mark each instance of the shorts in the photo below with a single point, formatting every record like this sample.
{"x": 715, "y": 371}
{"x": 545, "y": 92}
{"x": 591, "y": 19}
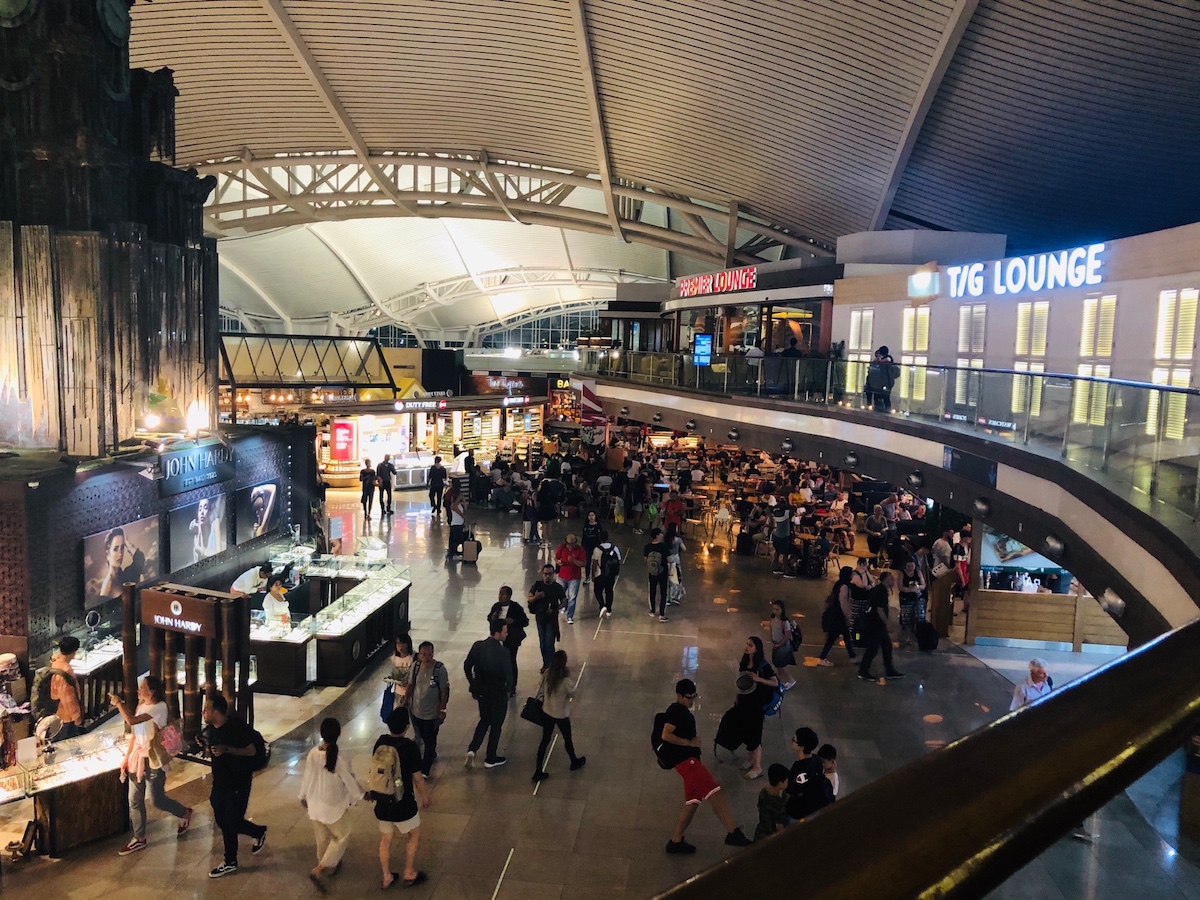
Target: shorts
{"x": 401, "y": 827}
{"x": 698, "y": 782}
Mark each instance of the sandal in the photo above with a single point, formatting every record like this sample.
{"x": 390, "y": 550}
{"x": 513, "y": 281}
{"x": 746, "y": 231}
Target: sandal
{"x": 420, "y": 878}
{"x": 392, "y": 883}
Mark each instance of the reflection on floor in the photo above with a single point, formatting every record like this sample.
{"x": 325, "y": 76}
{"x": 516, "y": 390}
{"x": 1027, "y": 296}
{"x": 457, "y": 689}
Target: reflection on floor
{"x": 598, "y": 832}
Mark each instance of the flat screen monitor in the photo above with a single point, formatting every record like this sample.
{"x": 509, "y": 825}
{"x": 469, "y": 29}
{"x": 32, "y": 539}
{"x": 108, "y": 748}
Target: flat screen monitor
{"x": 702, "y": 345}
{"x": 128, "y": 552}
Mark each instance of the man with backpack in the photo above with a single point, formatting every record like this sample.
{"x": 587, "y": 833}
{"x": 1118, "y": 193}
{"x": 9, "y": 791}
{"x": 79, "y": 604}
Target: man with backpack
{"x": 606, "y": 568}
{"x": 237, "y": 752}
{"x": 396, "y": 784}
{"x": 655, "y": 553}
{"x": 56, "y": 690}
{"x": 677, "y": 747}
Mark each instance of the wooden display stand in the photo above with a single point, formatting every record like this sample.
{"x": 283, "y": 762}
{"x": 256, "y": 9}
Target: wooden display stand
{"x": 81, "y": 812}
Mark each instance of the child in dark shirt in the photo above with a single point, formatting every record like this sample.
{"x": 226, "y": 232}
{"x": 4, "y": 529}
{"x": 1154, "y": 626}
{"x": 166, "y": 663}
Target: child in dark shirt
{"x": 807, "y": 790}
{"x": 771, "y": 813}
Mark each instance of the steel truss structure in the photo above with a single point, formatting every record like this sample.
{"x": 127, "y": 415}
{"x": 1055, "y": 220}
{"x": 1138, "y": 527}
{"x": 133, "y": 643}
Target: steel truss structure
{"x": 416, "y": 309}
{"x": 258, "y": 194}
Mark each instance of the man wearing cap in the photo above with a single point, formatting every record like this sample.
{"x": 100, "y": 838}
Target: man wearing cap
{"x": 680, "y": 748}
{"x": 570, "y": 559}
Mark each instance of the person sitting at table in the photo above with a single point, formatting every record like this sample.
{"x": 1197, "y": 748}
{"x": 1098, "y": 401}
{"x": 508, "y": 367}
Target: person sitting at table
{"x": 757, "y": 519}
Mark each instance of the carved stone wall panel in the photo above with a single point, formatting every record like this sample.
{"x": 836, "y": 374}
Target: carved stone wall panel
{"x": 38, "y": 376}
{"x": 14, "y": 585}
{"x": 79, "y": 291}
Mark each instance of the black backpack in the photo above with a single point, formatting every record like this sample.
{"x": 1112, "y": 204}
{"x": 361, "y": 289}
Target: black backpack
{"x": 610, "y": 563}
{"x": 262, "y": 751}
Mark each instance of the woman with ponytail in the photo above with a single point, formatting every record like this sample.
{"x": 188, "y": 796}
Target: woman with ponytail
{"x": 328, "y": 790}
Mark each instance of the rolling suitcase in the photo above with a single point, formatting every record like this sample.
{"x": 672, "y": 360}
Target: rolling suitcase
{"x": 745, "y": 544}
{"x": 471, "y": 548}
{"x": 927, "y": 637}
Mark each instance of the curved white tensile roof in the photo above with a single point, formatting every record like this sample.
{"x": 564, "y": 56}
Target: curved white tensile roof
{"x": 643, "y": 130}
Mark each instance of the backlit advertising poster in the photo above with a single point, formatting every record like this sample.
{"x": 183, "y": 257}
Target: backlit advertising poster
{"x": 342, "y": 440}
{"x": 111, "y": 558}
{"x": 257, "y": 511}
{"x": 198, "y": 531}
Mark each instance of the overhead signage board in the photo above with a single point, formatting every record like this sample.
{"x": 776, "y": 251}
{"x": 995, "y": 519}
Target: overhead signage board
{"x": 196, "y": 616}
{"x": 818, "y": 279}
{"x": 185, "y": 470}
{"x": 725, "y": 282}
{"x": 420, "y": 405}
{"x": 512, "y": 385}
{"x": 341, "y": 440}
{"x": 1079, "y": 267}
{"x": 974, "y": 468}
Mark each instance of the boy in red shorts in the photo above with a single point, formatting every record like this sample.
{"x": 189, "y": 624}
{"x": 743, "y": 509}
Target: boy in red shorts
{"x": 682, "y": 747}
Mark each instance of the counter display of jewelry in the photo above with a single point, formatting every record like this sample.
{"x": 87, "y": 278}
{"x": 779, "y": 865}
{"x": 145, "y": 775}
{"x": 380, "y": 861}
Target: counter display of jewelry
{"x": 287, "y": 655}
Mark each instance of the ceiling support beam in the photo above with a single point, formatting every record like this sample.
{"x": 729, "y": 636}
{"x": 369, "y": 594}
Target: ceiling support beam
{"x": 497, "y": 188}
{"x": 291, "y": 35}
{"x": 943, "y": 55}
{"x": 258, "y": 291}
{"x": 596, "y": 114}
{"x": 731, "y": 235}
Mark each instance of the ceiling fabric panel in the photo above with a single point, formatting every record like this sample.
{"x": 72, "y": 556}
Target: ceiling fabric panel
{"x": 1062, "y": 121}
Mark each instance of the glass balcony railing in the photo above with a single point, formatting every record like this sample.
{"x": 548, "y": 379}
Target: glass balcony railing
{"x": 1141, "y": 436}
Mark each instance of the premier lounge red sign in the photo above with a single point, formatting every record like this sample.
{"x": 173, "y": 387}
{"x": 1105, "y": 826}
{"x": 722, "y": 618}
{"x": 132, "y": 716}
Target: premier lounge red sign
{"x": 744, "y": 279}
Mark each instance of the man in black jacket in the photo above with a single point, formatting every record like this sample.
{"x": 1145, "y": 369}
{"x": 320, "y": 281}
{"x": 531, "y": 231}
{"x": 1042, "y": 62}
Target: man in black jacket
{"x": 386, "y": 472}
{"x": 511, "y": 614}
{"x": 488, "y": 668}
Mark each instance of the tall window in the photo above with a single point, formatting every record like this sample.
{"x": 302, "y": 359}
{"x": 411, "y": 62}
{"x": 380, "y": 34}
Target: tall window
{"x": 1095, "y": 359}
{"x": 972, "y": 328}
{"x": 858, "y": 348}
{"x": 1033, "y": 323}
{"x": 1174, "y": 345}
{"x": 914, "y": 353}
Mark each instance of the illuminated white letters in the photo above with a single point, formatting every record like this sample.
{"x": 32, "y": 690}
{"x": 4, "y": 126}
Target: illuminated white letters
{"x": 1020, "y": 274}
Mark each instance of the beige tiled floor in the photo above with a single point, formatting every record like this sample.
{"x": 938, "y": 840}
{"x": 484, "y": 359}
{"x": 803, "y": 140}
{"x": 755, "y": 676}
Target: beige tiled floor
{"x": 598, "y": 832}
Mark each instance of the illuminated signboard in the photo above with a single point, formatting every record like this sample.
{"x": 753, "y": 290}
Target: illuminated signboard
{"x": 419, "y": 405}
{"x": 1041, "y": 271}
{"x": 702, "y": 349}
{"x": 341, "y": 441}
{"x": 744, "y": 279}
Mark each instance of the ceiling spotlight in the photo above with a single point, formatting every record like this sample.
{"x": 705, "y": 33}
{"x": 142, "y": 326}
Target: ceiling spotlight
{"x": 915, "y": 480}
{"x": 733, "y": 434}
{"x": 624, "y": 410}
{"x": 690, "y": 425}
{"x": 786, "y": 445}
{"x": 850, "y": 459}
{"x": 981, "y": 507}
{"x": 1053, "y": 547}
{"x": 33, "y": 485}
{"x": 657, "y": 417}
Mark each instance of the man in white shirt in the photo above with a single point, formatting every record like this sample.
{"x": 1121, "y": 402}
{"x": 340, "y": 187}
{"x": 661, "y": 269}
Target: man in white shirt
{"x": 252, "y": 581}
{"x": 697, "y": 475}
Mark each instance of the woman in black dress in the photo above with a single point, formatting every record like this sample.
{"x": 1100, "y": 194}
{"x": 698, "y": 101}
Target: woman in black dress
{"x": 762, "y": 684}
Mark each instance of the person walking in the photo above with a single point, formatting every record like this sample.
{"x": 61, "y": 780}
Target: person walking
{"x": 873, "y": 625}
{"x": 571, "y": 560}
{"x": 756, "y": 684}
{"x": 231, "y": 743}
{"x": 589, "y": 537}
{"x": 488, "y": 668}
{"x": 556, "y": 692}
{"x": 782, "y": 654}
{"x": 402, "y": 660}
{"x": 679, "y": 749}
{"x": 808, "y": 789}
{"x": 456, "y": 509}
{"x": 437, "y": 487}
{"x": 366, "y": 477}
{"x": 675, "y": 547}
{"x": 912, "y": 600}
{"x": 545, "y": 599}
{"x": 145, "y": 762}
{"x": 606, "y": 568}
{"x": 655, "y": 554}
{"x": 427, "y": 698}
{"x": 835, "y": 620}
{"x": 504, "y": 609}
{"x": 530, "y": 519}
{"x": 401, "y": 814}
{"x": 386, "y": 473}
{"x": 327, "y": 790}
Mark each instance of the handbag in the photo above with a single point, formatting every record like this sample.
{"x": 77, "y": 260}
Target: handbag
{"x": 533, "y": 711}
{"x": 388, "y": 703}
{"x": 171, "y": 740}
{"x": 939, "y": 569}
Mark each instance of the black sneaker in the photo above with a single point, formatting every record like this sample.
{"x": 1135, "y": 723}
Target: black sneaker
{"x": 680, "y": 847}
{"x": 539, "y": 776}
{"x": 895, "y": 674}
{"x": 223, "y": 869}
{"x": 494, "y": 763}
{"x": 579, "y": 763}
{"x": 737, "y": 838}
{"x": 260, "y": 841}
{"x": 863, "y": 677}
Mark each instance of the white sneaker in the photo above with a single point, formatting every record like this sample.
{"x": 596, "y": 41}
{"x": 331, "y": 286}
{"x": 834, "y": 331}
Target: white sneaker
{"x": 470, "y": 763}
{"x": 608, "y": 613}
{"x": 570, "y": 621}
{"x": 825, "y": 662}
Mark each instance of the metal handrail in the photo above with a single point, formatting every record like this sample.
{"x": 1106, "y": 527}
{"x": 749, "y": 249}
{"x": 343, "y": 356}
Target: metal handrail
{"x": 959, "y": 821}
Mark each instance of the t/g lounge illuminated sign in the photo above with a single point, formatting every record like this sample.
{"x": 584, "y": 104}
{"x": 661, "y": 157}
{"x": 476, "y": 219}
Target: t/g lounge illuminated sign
{"x": 1042, "y": 271}
{"x": 744, "y": 279}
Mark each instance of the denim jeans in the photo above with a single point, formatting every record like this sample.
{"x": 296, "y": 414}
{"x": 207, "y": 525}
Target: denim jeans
{"x": 427, "y": 731}
{"x": 156, "y": 780}
{"x": 546, "y": 635}
{"x": 572, "y": 590}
